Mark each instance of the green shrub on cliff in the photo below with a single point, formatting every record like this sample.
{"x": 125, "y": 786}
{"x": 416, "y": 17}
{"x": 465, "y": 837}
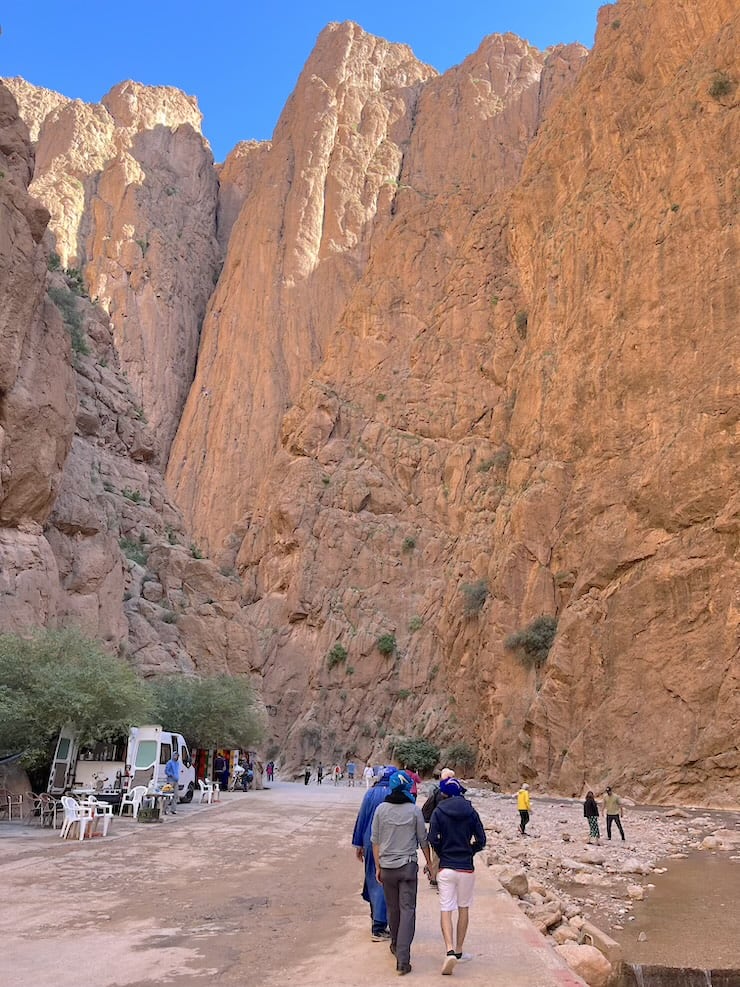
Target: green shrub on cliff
{"x": 533, "y": 642}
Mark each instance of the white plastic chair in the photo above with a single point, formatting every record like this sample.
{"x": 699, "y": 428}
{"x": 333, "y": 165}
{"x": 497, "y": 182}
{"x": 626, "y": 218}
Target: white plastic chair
{"x": 75, "y": 813}
{"x": 206, "y": 792}
{"x": 133, "y": 798}
{"x": 101, "y": 810}
{"x": 216, "y": 789}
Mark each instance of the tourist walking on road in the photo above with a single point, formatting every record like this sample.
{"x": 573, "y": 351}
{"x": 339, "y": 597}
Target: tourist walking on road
{"x": 336, "y": 773}
{"x": 368, "y": 775}
{"x": 372, "y": 890}
{"x": 524, "y": 806}
{"x": 397, "y": 831}
{"x": 320, "y": 773}
{"x": 591, "y": 812}
{"x": 307, "y": 774}
{"x": 427, "y": 810}
{"x": 351, "y": 774}
{"x": 456, "y": 833}
{"x": 613, "y": 813}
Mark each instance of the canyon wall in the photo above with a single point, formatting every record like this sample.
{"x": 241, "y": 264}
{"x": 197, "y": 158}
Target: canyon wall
{"x": 471, "y": 360}
{"x": 132, "y": 192}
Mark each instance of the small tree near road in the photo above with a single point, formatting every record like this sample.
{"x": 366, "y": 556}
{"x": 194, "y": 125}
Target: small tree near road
{"x": 220, "y": 711}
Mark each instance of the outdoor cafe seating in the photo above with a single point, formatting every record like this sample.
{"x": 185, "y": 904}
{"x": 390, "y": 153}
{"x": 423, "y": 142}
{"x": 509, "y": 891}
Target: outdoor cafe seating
{"x": 86, "y": 814}
{"x": 11, "y": 803}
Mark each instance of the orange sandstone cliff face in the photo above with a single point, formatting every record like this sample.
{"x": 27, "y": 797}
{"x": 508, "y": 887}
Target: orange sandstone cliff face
{"x": 469, "y": 361}
{"x": 88, "y": 534}
{"x": 623, "y": 234}
{"x": 132, "y": 192}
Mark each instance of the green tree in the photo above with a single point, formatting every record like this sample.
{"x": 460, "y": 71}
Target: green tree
{"x": 220, "y": 711}
{"x": 461, "y": 756}
{"x": 415, "y": 753}
{"x": 58, "y": 677}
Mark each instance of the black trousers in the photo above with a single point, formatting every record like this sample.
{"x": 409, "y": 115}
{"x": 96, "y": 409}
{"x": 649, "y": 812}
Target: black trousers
{"x": 609, "y": 821}
{"x": 399, "y": 888}
{"x": 523, "y": 819}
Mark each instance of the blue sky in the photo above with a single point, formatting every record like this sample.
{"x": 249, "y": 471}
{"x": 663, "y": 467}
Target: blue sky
{"x": 242, "y": 59}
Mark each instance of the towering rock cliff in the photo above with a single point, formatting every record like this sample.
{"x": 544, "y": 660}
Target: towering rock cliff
{"x": 470, "y": 362}
{"x": 132, "y": 193}
{"x": 88, "y": 534}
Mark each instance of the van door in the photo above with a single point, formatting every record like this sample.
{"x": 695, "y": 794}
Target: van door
{"x": 65, "y": 758}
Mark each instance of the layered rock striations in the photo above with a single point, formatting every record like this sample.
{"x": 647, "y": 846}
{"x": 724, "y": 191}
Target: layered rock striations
{"x": 132, "y": 192}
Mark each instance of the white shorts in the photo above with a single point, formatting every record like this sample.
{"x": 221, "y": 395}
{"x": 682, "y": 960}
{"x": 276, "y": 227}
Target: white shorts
{"x": 455, "y": 889}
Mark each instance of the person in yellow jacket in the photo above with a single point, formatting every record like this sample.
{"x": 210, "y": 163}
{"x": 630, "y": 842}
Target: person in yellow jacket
{"x": 523, "y": 805}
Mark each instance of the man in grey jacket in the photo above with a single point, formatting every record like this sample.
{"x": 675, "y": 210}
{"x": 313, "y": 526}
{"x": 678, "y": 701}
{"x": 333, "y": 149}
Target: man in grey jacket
{"x": 397, "y": 831}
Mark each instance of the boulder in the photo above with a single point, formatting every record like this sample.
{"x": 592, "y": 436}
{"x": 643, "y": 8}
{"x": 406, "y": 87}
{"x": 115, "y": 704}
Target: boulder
{"x": 587, "y": 962}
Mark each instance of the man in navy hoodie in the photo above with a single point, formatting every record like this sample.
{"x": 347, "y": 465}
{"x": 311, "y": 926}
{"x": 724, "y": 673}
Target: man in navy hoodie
{"x": 456, "y": 834}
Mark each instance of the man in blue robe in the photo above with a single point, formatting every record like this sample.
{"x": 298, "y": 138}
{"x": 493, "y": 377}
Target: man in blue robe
{"x": 372, "y": 891}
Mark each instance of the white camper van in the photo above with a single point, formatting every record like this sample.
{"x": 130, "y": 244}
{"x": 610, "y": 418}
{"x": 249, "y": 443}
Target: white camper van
{"x": 110, "y": 767}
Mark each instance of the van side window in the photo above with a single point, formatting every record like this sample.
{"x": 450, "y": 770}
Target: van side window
{"x": 185, "y": 756}
{"x": 165, "y": 753}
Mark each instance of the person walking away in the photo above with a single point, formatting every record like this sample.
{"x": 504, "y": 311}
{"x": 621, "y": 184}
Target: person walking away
{"x": 456, "y": 833}
{"x": 372, "y": 890}
{"x": 591, "y": 812}
{"x": 350, "y": 774}
{"x": 368, "y": 775}
{"x": 320, "y": 773}
{"x": 613, "y": 812}
{"x": 172, "y": 777}
{"x": 307, "y": 774}
{"x": 427, "y": 810}
{"x": 337, "y": 774}
{"x": 397, "y": 831}
{"x": 524, "y": 806}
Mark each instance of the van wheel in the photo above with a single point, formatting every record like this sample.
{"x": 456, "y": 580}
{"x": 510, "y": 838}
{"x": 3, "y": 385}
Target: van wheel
{"x": 188, "y": 796}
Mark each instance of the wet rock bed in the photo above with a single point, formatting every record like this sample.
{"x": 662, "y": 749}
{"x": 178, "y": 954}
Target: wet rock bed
{"x": 583, "y": 894}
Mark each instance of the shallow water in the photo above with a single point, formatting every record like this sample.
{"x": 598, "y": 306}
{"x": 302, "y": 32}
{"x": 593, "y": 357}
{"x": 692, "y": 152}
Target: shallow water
{"x": 691, "y": 916}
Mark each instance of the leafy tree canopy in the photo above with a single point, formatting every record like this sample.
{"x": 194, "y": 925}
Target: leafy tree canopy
{"x": 59, "y": 677}
{"x": 415, "y": 753}
{"x": 214, "y": 712}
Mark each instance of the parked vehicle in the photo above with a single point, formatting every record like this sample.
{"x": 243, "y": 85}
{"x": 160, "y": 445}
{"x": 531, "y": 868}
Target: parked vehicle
{"x": 109, "y": 768}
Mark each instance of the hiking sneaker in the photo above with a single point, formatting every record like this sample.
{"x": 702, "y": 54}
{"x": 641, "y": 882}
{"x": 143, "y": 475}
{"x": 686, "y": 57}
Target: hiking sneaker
{"x": 449, "y": 964}
{"x": 382, "y": 936}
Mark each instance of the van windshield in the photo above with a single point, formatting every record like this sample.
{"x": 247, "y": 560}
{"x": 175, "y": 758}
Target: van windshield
{"x": 146, "y": 753}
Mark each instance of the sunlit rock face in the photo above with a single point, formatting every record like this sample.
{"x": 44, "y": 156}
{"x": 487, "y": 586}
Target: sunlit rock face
{"x": 132, "y": 192}
{"x": 470, "y": 361}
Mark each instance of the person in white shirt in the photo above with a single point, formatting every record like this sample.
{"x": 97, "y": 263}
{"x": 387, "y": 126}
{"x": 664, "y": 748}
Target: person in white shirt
{"x": 368, "y": 775}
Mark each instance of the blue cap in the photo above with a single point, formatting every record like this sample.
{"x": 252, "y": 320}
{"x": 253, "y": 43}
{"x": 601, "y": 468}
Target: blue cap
{"x": 450, "y": 787}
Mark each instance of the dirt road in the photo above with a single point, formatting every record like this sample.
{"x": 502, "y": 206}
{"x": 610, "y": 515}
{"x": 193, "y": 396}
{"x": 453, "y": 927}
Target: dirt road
{"x": 262, "y": 889}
